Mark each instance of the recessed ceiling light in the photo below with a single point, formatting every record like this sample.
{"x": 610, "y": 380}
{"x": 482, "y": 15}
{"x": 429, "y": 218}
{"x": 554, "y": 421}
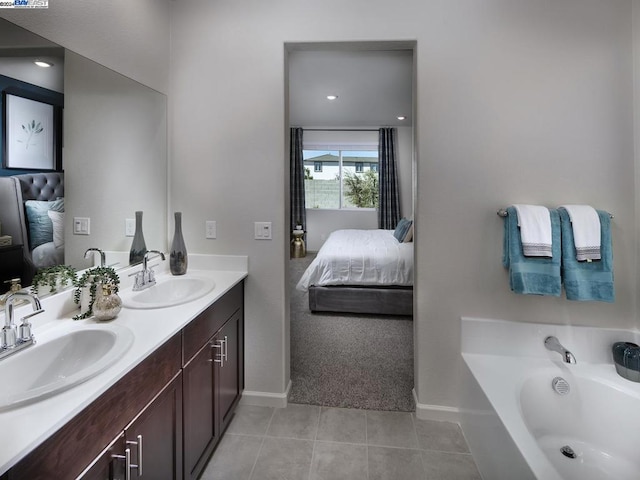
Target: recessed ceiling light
{"x": 402, "y": 117}
{"x": 43, "y": 64}
{"x": 332, "y": 97}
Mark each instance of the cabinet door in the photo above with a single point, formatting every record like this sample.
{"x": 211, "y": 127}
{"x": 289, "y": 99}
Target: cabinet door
{"x": 155, "y": 436}
{"x": 229, "y": 386}
{"x": 109, "y": 465}
{"x": 200, "y": 431}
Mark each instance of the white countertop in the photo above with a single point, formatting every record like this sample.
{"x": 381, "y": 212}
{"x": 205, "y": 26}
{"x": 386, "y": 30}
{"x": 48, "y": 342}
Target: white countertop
{"x": 24, "y": 428}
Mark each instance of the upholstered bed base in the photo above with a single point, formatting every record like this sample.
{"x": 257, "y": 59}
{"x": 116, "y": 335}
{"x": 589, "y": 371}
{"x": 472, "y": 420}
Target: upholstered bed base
{"x": 370, "y": 300}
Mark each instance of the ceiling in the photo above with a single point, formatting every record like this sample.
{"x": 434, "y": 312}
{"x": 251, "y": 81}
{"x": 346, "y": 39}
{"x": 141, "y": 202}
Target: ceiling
{"x": 374, "y": 87}
{"x": 19, "y": 48}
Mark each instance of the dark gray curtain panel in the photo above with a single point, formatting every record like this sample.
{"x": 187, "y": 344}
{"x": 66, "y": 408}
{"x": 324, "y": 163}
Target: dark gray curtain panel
{"x": 389, "y": 197}
{"x": 296, "y": 180}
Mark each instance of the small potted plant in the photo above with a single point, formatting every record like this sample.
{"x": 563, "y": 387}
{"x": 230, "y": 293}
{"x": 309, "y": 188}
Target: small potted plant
{"x": 51, "y": 279}
{"x": 88, "y": 286}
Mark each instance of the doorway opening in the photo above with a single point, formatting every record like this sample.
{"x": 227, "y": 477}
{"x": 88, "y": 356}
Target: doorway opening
{"x": 340, "y": 95}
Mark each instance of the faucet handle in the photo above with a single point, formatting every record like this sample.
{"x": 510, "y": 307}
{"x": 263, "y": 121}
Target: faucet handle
{"x": 138, "y": 280}
{"x": 9, "y": 336}
{"x": 32, "y": 314}
{"x": 15, "y": 285}
{"x": 24, "y": 331}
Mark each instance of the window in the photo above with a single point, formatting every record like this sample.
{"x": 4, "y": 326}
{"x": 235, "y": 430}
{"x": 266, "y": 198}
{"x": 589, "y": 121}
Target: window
{"x": 346, "y": 179}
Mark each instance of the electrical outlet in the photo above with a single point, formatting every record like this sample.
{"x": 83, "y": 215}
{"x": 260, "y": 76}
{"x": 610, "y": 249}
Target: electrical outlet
{"x": 262, "y": 230}
{"x": 129, "y": 227}
{"x": 210, "y": 229}
{"x": 81, "y": 226}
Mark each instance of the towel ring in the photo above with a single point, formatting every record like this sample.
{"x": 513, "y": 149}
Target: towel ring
{"x": 503, "y": 213}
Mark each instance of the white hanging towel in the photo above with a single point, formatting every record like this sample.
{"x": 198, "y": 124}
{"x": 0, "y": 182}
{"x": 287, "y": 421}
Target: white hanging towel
{"x": 535, "y": 230}
{"x": 585, "y": 224}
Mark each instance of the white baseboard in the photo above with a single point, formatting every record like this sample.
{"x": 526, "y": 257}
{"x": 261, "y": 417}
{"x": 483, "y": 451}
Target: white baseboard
{"x": 266, "y": 399}
{"x": 436, "y": 412}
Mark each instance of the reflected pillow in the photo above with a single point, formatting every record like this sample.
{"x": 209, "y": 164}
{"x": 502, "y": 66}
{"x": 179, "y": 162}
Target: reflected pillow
{"x": 40, "y": 225}
{"x": 57, "y": 219}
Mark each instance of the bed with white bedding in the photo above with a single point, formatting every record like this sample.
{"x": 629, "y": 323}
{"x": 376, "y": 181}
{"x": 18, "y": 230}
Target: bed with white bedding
{"x": 361, "y": 271}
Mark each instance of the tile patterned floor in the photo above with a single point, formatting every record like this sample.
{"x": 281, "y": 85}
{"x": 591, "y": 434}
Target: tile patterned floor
{"x": 304, "y": 442}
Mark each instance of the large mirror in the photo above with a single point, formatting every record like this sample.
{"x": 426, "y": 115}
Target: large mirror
{"x": 114, "y": 154}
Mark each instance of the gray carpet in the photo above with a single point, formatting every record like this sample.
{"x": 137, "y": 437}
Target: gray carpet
{"x": 351, "y": 361}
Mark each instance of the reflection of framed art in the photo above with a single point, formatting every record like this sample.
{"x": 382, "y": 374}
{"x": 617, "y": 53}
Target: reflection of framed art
{"x": 32, "y": 133}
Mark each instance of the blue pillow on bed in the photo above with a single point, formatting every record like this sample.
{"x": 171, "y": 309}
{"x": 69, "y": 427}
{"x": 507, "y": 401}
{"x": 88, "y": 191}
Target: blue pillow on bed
{"x": 401, "y": 229}
{"x": 39, "y": 223}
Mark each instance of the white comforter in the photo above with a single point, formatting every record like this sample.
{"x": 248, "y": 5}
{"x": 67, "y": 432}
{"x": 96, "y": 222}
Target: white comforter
{"x": 360, "y": 257}
{"x": 47, "y": 255}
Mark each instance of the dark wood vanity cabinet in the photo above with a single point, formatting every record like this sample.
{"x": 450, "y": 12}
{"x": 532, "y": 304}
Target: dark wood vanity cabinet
{"x": 154, "y": 438}
{"x": 152, "y": 442}
{"x": 213, "y": 378}
{"x": 76, "y": 446}
{"x": 230, "y": 368}
{"x": 106, "y": 466}
{"x": 200, "y": 429}
{"x": 178, "y": 401}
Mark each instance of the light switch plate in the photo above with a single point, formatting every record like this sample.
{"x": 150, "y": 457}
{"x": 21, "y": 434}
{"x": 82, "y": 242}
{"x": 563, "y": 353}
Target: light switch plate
{"x": 129, "y": 227}
{"x": 262, "y": 230}
{"x": 210, "y": 230}
{"x": 81, "y": 225}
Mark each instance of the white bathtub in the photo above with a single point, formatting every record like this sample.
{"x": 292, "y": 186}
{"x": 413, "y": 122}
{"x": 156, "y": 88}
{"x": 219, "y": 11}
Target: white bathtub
{"x": 516, "y": 424}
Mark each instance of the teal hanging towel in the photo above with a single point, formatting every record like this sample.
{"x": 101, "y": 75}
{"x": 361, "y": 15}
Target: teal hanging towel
{"x": 587, "y": 280}
{"x": 531, "y": 275}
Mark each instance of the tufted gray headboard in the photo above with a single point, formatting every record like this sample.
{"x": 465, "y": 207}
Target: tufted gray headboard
{"x": 16, "y": 190}
{"x": 41, "y": 186}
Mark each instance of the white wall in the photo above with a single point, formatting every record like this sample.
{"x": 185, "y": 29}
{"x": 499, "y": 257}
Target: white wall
{"x": 115, "y": 156}
{"x": 636, "y": 136}
{"x": 405, "y": 170}
{"x": 129, "y": 37}
{"x": 517, "y": 101}
{"x": 529, "y": 103}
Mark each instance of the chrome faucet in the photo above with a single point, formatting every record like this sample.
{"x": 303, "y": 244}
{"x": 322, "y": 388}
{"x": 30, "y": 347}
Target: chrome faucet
{"x": 15, "y": 338}
{"x": 103, "y": 260}
{"x": 146, "y": 277}
{"x": 553, "y": 344}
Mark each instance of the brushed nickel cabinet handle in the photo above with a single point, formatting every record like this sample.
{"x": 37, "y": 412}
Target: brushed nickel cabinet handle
{"x": 127, "y": 463}
{"x": 219, "y": 345}
{"x": 138, "y": 444}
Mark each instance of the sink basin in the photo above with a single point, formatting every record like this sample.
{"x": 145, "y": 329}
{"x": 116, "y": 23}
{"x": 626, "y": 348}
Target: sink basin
{"x": 169, "y": 291}
{"x": 56, "y": 363}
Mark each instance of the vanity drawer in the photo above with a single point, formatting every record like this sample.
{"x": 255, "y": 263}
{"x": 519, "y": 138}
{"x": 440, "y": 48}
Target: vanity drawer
{"x": 202, "y": 328}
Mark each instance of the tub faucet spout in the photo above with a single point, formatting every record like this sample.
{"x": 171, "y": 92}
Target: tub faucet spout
{"x": 553, "y": 344}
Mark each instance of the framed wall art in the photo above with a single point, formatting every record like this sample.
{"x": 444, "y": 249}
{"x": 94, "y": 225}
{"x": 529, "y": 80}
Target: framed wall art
{"x": 32, "y": 132}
